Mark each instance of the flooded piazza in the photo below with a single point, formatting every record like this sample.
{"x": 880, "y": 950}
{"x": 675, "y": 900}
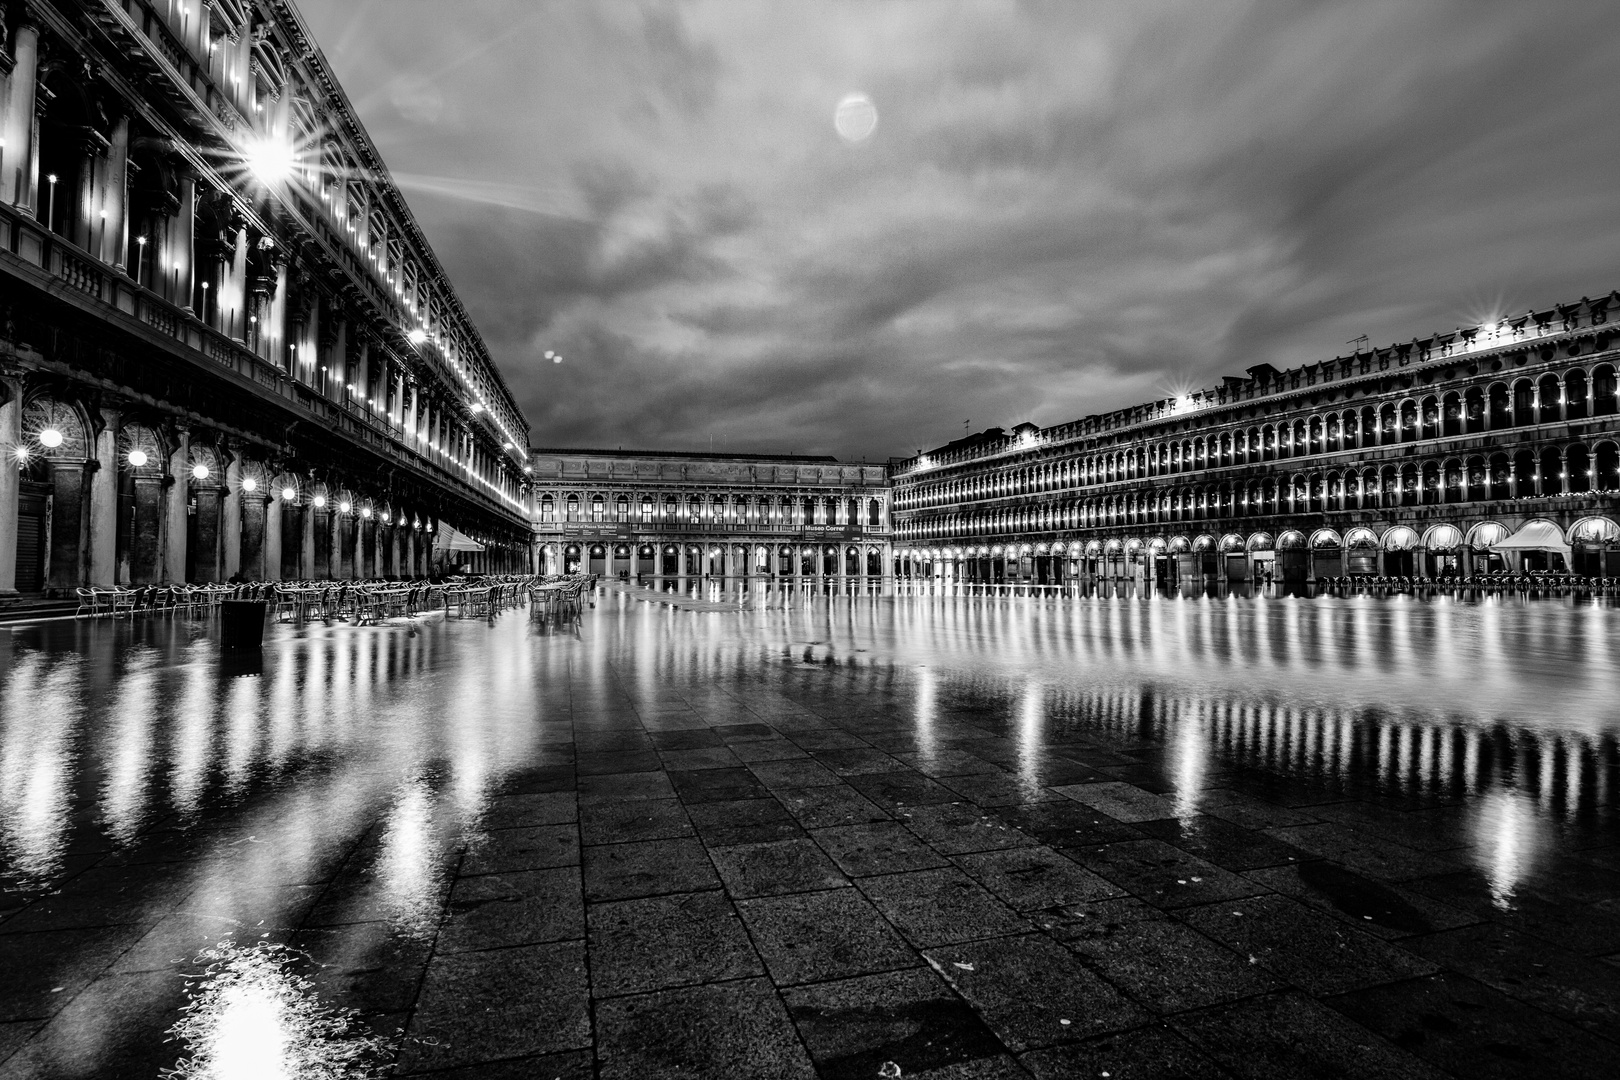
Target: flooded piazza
{"x": 1247, "y": 835}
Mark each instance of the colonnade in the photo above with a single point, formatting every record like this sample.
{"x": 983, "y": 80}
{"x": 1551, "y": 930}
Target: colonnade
{"x": 665, "y": 565}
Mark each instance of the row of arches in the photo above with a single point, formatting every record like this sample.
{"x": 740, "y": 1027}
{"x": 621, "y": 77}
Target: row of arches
{"x": 784, "y": 510}
{"x": 105, "y": 498}
{"x": 1576, "y": 468}
{"x": 683, "y": 561}
{"x": 1577, "y": 393}
{"x": 1589, "y": 545}
{"x": 1590, "y": 531}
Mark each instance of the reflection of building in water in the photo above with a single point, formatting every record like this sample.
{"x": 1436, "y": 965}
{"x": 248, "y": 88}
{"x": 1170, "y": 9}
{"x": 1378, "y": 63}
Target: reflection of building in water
{"x": 1492, "y": 447}
{"x": 673, "y": 517}
{"x": 225, "y": 345}
{"x": 1356, "y": 751}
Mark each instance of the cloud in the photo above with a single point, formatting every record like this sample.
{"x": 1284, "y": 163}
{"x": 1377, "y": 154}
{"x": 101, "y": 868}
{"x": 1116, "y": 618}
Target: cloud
{"x": 1066, "y": 208}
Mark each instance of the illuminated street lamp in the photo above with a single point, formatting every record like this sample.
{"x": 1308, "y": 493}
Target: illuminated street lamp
{"x": 50, "y": 438}
{"x": 137, "y": 458}
{"x": 270, "y": 159}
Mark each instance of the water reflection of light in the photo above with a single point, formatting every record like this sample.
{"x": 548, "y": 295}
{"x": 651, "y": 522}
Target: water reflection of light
{"x": 251, "y": 1017}
{"x": 407, "y": 872}
{"x": 40, "y": 714}
{"x": 123, "y": 795}
{"x": 1191, "y": 756}
{"x": 1031, "y": 720}
{"x": 192, "y": 745}
{"x": 926, "y": 711}
{"x": 1508, "y": 837}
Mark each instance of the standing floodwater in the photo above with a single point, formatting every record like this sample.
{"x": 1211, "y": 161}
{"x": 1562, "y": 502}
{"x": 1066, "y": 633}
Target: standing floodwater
{"x": 1379, "y": 828}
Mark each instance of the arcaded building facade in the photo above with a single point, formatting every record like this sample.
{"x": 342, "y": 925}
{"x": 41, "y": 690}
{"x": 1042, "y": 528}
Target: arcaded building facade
{"x": 672, "y": 519}
{"x": 1422, "y": 459}
{"x": 226, "y": 348}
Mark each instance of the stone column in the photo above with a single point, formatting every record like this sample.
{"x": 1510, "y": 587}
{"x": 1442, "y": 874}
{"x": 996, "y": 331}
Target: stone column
{"x": 103, "y": 568}
{"x": 230, "y": 525}
{"x": 17, "y": 159}
{"x": 182, "y": 241}
{"x": 306, "y": 543}
{"x": 10, "y": 481}
{"x": 273, "y": 515}
{"x": 114, "y": 226}
{"x": 235, "y": 286}
{"x": 174, "y": 516}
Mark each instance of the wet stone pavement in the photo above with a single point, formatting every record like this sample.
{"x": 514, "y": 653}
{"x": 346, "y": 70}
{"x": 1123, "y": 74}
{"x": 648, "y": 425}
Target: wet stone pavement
{"x": 963, "y": 839}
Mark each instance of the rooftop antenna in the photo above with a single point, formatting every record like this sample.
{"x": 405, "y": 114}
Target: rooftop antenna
{"x": 1358, "y": 341}
{"x": 964, "y": 427}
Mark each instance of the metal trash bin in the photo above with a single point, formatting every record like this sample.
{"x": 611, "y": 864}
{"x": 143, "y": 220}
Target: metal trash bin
{"x": 241, "y": 623}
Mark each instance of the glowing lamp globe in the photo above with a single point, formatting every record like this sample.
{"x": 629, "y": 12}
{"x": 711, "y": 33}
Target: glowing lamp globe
{"x": 199, "y": 472}
{"x": 365, "y": 511}
{"x": 417, "y": 336}
{"x": 50, "y": 438}
{"x": 343, "y": 507}
{"x": 137, "y": 458}
{"x": 271, "y": 160}
{"x": 288, "y": 494}
{"x": 320, "y": 500}
{"x": 250, "y": 484}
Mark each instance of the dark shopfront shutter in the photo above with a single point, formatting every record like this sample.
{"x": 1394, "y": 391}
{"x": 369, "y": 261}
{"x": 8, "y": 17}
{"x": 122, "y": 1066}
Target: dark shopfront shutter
{"x": 30, "y": 544}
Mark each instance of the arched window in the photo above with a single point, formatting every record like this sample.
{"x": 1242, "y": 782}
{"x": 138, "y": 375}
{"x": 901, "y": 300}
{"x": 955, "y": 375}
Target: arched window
{"x": 573, "y": 507}
{"x": 597, "y": 506}
{"x": 623, "y": 506}
{"x": 548, "y": 509}
{"x": 646, "y": 509}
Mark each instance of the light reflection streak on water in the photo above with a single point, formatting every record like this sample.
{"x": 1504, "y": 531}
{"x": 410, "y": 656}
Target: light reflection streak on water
{"x": 923, "y": 712}
{"x": 43, "y": 708}
{"x": 252, "y": 1017}
{"x": 1508, "y": 835}
{"x": 129, "y": 749}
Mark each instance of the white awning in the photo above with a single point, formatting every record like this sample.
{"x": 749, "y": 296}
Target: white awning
{"x": 448, "y": 539}
{"x": 1538, "y": 535}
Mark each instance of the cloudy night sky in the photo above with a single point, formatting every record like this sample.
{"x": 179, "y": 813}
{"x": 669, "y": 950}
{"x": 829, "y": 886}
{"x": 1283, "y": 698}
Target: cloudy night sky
{"x": 1063, "y": 208}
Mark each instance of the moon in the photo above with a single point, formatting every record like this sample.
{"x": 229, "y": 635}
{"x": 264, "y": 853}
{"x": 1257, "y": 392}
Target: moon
{"x": 855, "y": 118}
